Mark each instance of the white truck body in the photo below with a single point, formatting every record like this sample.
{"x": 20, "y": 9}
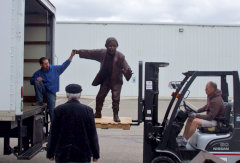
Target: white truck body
{"x": 12, "y": 47}
{"x": 27, "y": 34}
{"x": 13, "y": 34}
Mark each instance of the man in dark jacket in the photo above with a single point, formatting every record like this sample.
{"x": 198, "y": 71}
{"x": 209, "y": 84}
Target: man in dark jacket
{"x": 113, "y": 67}
{"x": 73, "y": 136}
{"x": 214, "y": 108}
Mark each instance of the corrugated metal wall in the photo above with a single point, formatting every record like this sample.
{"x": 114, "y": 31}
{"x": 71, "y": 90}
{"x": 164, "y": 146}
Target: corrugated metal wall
{"x": 197, "y": 47}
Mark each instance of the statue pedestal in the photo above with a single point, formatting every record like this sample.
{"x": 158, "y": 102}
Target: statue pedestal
{"x": 108, "y": 123}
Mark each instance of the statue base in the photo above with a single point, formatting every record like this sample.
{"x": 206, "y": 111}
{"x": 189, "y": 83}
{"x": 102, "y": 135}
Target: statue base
{"x": 108, "y": 123}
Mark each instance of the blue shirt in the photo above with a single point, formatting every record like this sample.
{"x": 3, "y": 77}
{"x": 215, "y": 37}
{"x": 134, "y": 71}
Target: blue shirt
{"x": 50, "y": 77}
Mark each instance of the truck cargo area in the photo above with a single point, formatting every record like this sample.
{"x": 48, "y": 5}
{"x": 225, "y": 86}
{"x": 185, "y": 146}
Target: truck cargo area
{"x": 38, "y": 42}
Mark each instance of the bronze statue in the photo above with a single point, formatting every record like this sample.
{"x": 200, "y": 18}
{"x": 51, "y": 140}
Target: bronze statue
{"x": 113, "y": 67}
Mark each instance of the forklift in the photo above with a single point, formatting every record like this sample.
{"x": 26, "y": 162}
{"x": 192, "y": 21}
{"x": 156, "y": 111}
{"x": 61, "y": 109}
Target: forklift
{"x": 159, "y": 142}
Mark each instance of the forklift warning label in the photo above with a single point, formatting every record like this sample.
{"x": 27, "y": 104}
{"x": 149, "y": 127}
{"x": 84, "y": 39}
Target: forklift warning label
{"x": 238, "y": 118}
{"x": 148, "y": 118}
{"x": 149, "y": 85}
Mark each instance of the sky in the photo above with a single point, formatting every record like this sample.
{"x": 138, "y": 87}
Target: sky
{"x": 150, "y": 11}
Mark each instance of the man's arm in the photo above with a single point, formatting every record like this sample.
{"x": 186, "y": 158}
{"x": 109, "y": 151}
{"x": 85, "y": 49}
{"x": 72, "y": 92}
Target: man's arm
{"x": 72, "y": 55}
{"x": 202, "y": 109}
{"x": 91, "y": 54}
{"x": 53, "y": 136}
{"x": 62, "y": 68}
{"x": 213, "y": 112}
{"x": 93, "y": 137}
{"x": 35, "y": 77}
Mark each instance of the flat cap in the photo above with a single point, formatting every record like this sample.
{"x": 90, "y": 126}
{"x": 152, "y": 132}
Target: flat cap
{"x": 73, "y": 88}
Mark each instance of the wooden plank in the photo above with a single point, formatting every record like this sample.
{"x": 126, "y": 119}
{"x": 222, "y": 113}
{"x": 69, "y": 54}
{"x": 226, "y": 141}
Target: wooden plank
{"x": 107, "y": 123}
{"x": 27, "y": 78}
{"x": 31, "y": 60}
{"x": 37, "y": 25}
{"x": 29, "y": 98}
{"x": 37, "y": 42}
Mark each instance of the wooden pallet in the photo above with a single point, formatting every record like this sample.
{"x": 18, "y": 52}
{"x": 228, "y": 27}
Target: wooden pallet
{"x": 107, "y": 123}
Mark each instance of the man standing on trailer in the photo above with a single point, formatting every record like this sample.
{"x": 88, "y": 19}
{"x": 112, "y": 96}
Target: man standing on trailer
{"x": 214, "y": 108}
{"x": 46, "y": 82}
{"x": 113, "y": 67}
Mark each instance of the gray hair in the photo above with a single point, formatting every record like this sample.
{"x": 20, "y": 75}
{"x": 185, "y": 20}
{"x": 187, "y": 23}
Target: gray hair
{"x": 213, "y": 85}
{"x": 73, "y": 95}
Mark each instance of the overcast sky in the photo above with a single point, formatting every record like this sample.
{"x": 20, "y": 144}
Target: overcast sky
{"x": 173, "y": 11}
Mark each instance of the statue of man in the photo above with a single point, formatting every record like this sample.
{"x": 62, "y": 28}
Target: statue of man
{"x": 113, "y": 67}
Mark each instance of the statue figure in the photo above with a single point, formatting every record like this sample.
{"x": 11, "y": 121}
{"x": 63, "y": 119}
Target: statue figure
{"x": 113, "y": 67}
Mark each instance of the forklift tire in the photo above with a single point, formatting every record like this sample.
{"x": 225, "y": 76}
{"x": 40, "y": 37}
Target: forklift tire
{"x": 162, "y": 159}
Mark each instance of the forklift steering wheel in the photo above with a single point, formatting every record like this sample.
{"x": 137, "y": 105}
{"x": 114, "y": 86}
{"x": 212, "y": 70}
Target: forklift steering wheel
{"x": 188, "y": 108}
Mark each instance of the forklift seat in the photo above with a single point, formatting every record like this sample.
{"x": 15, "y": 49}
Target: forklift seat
{"x": 223, "y": 123}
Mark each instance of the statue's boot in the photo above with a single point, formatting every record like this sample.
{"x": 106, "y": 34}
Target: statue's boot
{"x": 98, "y": 113}
{"x": 115, "y": 115}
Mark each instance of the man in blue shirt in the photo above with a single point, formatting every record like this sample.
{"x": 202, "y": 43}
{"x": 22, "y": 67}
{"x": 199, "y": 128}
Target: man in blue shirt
{"x": 46, "y": 82}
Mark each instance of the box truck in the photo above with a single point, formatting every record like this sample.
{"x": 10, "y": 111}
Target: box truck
{"x": 27, "y": 34}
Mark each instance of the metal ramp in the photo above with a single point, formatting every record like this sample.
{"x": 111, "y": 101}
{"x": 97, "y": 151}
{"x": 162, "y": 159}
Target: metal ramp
{"x": 31, "y": 152}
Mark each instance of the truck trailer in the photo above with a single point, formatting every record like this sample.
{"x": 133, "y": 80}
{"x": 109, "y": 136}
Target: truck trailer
{"x": 27, "y": 34}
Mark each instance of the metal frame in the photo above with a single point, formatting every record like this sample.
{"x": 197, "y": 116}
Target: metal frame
{"x": 188, "y": 80}
{"x": 22, "y": 130}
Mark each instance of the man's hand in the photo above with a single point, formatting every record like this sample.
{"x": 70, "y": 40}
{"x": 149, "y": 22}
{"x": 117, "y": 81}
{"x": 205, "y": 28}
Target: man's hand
{"x": 39, "y": 79}
{"x": 95, "y": 159}
{"x": 192, "y": 115}
{"x": 51, "y": 159}
{"x": 74, "y": 51}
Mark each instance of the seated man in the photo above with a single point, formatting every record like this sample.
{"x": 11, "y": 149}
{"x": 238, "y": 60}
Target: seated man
{"x": 214, "y": 108}
{"x": 46, "y": 81}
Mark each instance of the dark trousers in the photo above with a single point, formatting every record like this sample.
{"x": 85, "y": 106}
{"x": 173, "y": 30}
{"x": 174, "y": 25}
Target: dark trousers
{"x": 41, "y": 91}
{"x": 104, "y": 89}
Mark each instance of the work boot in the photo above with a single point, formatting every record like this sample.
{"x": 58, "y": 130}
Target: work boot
{"x": 98, "y": 114}
{"x": 115, "y": 116}
{"x": 37, "y": 103}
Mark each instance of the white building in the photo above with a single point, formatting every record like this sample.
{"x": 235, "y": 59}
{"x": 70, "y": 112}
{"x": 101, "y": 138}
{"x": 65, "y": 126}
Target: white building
{"x": 185, "y": 46}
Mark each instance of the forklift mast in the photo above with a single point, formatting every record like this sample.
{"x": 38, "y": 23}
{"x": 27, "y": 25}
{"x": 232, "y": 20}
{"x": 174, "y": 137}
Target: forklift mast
{"x": 148, "y": 108}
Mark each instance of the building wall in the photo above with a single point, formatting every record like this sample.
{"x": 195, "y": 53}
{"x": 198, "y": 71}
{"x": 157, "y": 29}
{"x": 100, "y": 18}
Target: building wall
{"x": 196, "y": 47}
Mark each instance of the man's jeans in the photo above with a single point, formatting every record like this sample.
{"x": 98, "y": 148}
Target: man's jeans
{"x": 41, "y": 91}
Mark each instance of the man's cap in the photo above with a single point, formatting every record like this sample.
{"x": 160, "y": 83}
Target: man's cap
{"x": 109, "y": 40}
{"x": 73, "y": 88}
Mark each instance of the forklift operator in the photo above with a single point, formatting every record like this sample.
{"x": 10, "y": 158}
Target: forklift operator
{"x": 214, "y": 108}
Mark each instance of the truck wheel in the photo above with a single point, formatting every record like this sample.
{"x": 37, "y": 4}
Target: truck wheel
{"x": 162, "y": 159}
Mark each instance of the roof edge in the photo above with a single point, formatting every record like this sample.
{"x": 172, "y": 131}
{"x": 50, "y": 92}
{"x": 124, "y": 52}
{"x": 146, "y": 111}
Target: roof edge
{"x": 146, "y": 23}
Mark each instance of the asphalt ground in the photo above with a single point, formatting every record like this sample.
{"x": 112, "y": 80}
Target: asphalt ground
{"x": 116, "y": 145}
